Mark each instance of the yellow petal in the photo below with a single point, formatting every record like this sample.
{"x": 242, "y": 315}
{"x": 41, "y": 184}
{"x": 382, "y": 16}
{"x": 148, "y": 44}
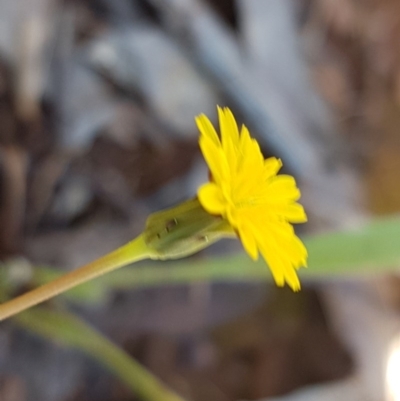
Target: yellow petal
{"x": 246, "y": 184}
{"x": 228, "y": 125}
{"x": 215, "y": 159}
{"x": 280, "y": 265}
{"x": 250, "y": 158}
{"x": 301, "y": 251}
{"x": 282, "y": 187}
{"x": 229, "y": 136}
{"x": 271, "y": 167}
{"x": 292, "y": 279}
{"x": 275, "y": 265}
{"x": 210, "y": 197}
{"x": 207, "y": 129}
{"x": 245, "y": 139}
{"x": 293, "y": 212}
{"x": 282, "y": 250}
{"x": 248, "y": 241}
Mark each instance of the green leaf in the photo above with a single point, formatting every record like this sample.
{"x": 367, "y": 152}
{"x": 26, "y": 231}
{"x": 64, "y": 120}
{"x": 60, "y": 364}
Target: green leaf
{"x": 371, "y": 248}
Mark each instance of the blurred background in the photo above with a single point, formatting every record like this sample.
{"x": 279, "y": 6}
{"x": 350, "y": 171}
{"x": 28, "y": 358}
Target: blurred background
{"x": 97, "y": 107}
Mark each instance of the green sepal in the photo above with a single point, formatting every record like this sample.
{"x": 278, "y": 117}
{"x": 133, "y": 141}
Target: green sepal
{"x": 183, "y": 230}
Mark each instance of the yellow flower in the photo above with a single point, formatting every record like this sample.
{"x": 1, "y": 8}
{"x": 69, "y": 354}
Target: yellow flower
{"x": 246, "y": 191}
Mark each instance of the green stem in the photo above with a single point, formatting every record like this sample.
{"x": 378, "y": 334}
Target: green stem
{"x": 72, "y": 331}
{"x": 129, "y": 253}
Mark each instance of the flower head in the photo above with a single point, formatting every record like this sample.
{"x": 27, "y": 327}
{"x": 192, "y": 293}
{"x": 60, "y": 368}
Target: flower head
{"x": 246, "y": 191}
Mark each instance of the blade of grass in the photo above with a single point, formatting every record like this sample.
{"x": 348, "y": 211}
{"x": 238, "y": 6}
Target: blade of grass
{"x": 372, "y": 248}
{"x": 66, "y": 328}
